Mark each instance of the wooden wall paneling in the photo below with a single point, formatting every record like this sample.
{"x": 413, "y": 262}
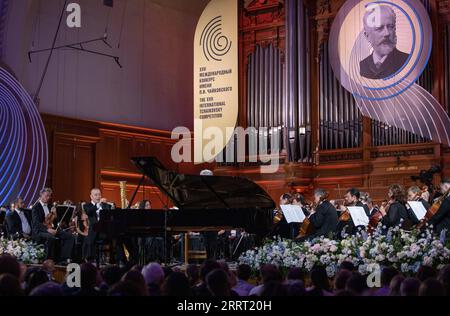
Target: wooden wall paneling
{"x": 125, "y": 153}
{"x": 141, "y": 147}
{"x": 74, "y": 166}
{"x": 62, "y": 172}
{"x": 83, "y": 170}
{"x": 109, "y": 151}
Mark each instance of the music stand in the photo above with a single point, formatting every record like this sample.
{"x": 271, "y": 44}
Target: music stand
{"x": 64, "y": 214}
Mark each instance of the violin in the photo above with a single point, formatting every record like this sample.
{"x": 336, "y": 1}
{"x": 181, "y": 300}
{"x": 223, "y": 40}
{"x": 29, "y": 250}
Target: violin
{"x": 376, "y": 218}
{"x": 80, "y": 222}
{"x": 345, "y": 215}
{"x": 278, "y": 216}
{"x": 433, "y": 210}
{"x": 50, "y": 218}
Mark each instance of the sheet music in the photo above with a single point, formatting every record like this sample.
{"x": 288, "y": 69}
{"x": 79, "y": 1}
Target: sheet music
{"x": 418, "y": 209}
{"x": 358, "y": 215}
{"x": 293, "y": 213}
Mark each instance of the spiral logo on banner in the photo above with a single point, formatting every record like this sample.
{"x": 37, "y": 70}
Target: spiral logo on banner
{"x": 23, "y": 158}
{"x": 378, "y": 50}
{"x": 215, "y": 45}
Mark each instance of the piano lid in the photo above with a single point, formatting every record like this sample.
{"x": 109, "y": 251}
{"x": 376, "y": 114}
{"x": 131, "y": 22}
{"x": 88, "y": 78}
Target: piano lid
{"x": 208, "y": 192}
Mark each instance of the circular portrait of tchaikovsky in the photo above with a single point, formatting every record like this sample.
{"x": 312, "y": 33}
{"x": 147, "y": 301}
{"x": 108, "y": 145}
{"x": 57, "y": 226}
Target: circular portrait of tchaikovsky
{"x": 379, "y": 44}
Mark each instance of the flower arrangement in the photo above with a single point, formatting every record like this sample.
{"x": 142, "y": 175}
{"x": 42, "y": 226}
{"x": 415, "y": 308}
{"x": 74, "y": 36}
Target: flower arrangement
{"x": 405, "y": 250}
{"x": 25, "y": 251}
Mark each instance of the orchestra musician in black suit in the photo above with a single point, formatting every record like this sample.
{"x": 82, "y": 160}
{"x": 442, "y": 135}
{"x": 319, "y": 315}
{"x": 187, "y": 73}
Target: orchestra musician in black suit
{"x": 18, "y": 221}
{"x": 351, "y": 198}
{"x": 395, "y": 213}
{"x": 414, "y": 193}
{"x": 323, "y": 216}
{"x": 43, "y": 231}
{"x": 441, "y": 219}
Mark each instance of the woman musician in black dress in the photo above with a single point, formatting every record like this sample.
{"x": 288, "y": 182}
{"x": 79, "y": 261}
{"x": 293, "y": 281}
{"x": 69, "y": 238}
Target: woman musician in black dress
{"x": 395, "y": 213}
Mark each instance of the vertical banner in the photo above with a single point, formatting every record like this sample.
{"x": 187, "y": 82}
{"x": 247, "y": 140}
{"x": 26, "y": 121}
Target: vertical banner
{"x": 215, "y": 78}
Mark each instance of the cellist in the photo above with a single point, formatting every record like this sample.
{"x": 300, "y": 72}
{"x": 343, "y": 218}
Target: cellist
{"x": 323, "y": 216}
{"x": 441, "y": 219}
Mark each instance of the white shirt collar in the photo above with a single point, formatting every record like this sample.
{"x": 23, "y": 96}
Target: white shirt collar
{"x": 377, "y": 59}
{"x": 43, "y": 204}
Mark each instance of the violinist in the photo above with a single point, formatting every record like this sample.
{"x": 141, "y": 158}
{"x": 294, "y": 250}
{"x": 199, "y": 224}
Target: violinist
{"x": 414, "y": 194}
{"x": 299, "y": 200}
{"x": 394, "y": 213}
{"x": 373, "y": 208}
{"x": 43, "y": 230}
{"x": 323, "y": 215}
{"x": 81, "y": 222}
{"x": 351, "y": 198}
{"x": 441, "y": 219}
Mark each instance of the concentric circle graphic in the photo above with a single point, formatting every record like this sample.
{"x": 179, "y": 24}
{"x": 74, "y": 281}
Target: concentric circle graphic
{"x": 23, "y": 143}
{"x": 215, "y": 45}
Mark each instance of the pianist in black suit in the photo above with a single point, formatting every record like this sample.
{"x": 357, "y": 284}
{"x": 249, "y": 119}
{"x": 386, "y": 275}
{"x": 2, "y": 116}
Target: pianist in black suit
{"x": 18, "y": 221}
{"x": 42, "y": 233}
{"x": 92, "y": 210}
{"x": 386, "y": 59}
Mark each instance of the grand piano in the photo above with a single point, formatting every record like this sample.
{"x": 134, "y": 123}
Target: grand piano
{"x": 203, "y": 203}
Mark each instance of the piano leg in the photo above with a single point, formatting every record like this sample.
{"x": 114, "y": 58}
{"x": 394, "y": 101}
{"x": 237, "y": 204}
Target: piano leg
{"x": 186, "y": 248}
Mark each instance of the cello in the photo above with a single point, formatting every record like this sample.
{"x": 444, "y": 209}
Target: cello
{"x": 433, "y": 210}
{"x": 307, "y": 228}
